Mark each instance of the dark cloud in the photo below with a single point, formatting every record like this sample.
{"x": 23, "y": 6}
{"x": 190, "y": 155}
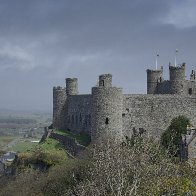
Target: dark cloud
{"x": 42, "y": 42}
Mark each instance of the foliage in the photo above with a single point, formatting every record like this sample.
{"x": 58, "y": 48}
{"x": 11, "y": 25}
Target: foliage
{"x": 171, "y": 138}
{"x": 42, "y": 156}
{"x": 110, "y": 169}
{"x": 135, "y": 170}
{"x": 56, "y": 181}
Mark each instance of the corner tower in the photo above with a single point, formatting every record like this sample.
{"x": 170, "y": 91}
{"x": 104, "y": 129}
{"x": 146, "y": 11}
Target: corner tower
{"x": 177, "y": 79}
{"x": 107, "y": 107}
{"x": 71, "y": 86}
{"x": 154, "y": 77}
{"x": 59, "y": 99}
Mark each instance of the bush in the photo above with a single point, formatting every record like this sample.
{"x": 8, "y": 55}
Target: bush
{"x": 171, "y": 138}
{"x": 139, "y": 169}
{"x": 108, "y": 168}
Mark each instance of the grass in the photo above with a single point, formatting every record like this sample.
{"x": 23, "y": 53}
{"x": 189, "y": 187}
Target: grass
{"x": 4, "y": 140}
{"x": 48, "y": 153}
{"x": 82, "y": 138}
{"x": 50, "y": 145}
{"x": 23, "y": 146}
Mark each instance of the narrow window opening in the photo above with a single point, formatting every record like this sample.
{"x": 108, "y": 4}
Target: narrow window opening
{"x": 190, "y": 91}
{"x": 86, "y": 119}
{"x": 102, "y": 82}
{"x": 89, "y": 118}
{"x": 80, "y": 118}
{"x": 72, "y": 119}
{"x": 106, "y": 121}
{"x": 123, "y": 115}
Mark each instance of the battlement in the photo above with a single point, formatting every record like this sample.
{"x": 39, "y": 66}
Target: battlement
{"x": 182, "y": 66}
{"x": 154, "y": 71}
{"x": 58, "y": 88}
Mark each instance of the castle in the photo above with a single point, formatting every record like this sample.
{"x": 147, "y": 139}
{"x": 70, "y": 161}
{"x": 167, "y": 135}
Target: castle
{"x": 107, "y": 111}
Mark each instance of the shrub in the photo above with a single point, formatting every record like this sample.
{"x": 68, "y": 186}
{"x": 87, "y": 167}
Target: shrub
{"x": 171, "y": 138}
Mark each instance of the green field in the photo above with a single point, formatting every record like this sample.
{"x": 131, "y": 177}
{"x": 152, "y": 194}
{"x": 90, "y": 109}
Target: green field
{"x": 48, "y": 153}
{"x": 23, "y": 146}
{"x": 4, "y": 140}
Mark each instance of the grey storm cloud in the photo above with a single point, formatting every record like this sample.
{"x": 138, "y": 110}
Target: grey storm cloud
{"x": 42, "y": 42}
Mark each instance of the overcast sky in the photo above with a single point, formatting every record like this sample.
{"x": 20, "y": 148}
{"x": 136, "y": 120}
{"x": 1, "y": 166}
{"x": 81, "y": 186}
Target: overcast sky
{"x": 44, "y": 41}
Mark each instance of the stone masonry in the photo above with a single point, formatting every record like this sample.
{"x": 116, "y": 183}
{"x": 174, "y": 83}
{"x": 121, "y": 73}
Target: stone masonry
{"x": 107, "y": 111}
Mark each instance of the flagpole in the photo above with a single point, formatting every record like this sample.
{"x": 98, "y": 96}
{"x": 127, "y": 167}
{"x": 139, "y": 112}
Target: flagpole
{"x": 157, "y": 55}
{"x": 176, "y": 57}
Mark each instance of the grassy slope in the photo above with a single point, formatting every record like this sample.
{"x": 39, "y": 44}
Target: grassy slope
{"x": 82, "y": 139}
{"x": 23, "y": 146}
{"x": 48, "y": 153}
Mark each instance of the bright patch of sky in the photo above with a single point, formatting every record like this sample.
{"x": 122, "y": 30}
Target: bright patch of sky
{"x": 182, "y": 14}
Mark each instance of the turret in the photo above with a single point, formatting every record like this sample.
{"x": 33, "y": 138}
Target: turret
{"x": 177, "y": 79}
{"x": 59, "y": 99}
{"x": 192, "y": 76}
{"x": 154, "y": 77}
{"x": 71, "y": 86}
{"x": 107, "y": 107}
{"x": 105, "y": 80}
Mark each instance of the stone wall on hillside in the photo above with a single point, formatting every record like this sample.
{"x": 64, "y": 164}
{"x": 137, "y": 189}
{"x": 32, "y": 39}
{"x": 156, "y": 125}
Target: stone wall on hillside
{"x": 70, "y": 144}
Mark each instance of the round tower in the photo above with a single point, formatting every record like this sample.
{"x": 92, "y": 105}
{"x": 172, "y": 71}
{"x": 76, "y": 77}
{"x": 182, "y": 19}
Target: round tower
{"x": 59, "y": 100}
{"x": 154, "y": 77}
{"x": 72, "y": 86}
{"x": 177, "y": 79}
{"x": 107, "y": 108}
{"x": 105, "y": 80}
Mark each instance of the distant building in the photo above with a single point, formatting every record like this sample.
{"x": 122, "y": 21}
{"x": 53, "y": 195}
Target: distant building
{"x": 5, "y": 162}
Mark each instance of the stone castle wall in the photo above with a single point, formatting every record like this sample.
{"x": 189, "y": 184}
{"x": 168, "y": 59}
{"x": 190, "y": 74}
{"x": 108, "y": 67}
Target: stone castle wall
{"x": 155, "y": 112}
{"x": 79, "y": 113}
{"x": 70, "y": 144}
{"x": 108, "y": 111}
